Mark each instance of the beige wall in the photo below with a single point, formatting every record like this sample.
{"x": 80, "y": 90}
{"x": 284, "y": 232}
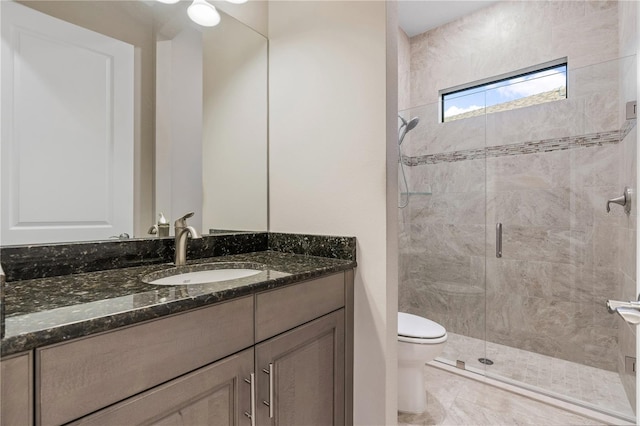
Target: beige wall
{"x": 327, "y": 171}
{"x": 178, "y": 148}
{"x": 234, "y": 146}
{"x": 252, "y": 13}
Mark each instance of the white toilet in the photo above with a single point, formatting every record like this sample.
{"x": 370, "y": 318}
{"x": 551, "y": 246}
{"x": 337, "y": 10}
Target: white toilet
{"x": 419, "y": 341}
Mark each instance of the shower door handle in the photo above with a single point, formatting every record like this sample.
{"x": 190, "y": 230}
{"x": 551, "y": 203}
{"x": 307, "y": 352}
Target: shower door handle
{"x": 498, "y": 240}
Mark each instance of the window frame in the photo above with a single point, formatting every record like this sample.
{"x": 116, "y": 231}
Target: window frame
{"x": 500, "y": 78}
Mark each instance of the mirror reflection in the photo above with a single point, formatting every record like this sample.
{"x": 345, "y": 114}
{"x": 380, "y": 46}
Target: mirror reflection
{"x": 115, "y": 112}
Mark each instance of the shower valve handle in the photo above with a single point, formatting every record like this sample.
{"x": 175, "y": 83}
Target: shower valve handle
{"x": 624, "y": 200}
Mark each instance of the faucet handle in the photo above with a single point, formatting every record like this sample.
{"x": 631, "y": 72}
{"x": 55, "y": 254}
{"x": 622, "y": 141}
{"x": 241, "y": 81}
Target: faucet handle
{"x": 182, "y": 222}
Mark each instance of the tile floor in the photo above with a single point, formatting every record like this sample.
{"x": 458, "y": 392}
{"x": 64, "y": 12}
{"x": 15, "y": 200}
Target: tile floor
{"x": 457, "y": 400}
{"x": 588, "y": 384}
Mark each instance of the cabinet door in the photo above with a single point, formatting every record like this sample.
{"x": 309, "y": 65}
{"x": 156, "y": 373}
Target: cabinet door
{"x": 300, "y": 375}
{"x": 16, "y": 396}
{"x": 214, "y": 395}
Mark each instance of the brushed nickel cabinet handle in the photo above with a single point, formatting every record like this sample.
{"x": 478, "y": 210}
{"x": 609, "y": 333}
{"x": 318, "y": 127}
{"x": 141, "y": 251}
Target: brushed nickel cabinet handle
{"x": 270, "y": 402}
{"x": 252, "y": 414}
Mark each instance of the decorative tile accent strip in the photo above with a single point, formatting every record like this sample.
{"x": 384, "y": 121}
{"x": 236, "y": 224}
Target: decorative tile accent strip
{"x": 531, "y": 147}
{"x": 626, "y": 128}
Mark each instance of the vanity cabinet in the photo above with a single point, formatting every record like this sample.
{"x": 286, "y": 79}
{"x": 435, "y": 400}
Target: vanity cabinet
{"x": 290, "y": 347}
{"x": 16, "y": 393}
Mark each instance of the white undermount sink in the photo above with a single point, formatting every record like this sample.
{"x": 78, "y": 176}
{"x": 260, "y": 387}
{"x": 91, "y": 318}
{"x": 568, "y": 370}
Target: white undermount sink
{"x": 207, "y": 274}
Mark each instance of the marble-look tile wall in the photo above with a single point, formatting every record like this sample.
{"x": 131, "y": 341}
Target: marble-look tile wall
{"x": 508, "y": 36}
{"x": 404, "y": 71}
{"x": 627, "y": 266}
{"x": 404, "y": 98}
{"x": 445, "y": 249}
{"x": 628, "y": 36}
{"x": 563, "y": 254}
{"x": 560, "y": 252}
{"x": 592, "y": 107}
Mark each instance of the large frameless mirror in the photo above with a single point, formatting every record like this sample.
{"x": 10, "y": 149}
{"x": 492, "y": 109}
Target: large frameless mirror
{"x": 116, "y": 111}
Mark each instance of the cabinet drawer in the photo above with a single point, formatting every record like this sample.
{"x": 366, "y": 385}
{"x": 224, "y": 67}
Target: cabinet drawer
{"x": 282, "y": 309}
{"x": 79, "y": 377}
{"x": 213, "y": 395}
{"x": 16, "y": 397}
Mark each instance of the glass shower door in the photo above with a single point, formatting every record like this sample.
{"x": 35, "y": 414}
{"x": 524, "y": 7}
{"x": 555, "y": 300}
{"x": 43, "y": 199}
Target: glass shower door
{"x": 550, "y": 170}
{"x": 442, "y": 230}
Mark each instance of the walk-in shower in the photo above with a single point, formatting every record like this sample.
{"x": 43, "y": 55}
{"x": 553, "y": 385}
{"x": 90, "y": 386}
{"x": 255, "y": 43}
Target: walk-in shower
{"x": 535, "y": 316}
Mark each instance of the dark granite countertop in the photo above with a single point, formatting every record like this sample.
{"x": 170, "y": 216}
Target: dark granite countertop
{"x": 44, "y": 311}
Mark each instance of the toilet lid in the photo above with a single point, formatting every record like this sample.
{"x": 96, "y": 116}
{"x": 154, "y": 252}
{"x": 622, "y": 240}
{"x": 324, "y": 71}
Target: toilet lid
{"x": 414, "y": 326}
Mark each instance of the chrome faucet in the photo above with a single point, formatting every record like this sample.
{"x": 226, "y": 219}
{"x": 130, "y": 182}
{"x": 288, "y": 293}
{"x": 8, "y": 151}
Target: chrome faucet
{"x": 182, "y": 232}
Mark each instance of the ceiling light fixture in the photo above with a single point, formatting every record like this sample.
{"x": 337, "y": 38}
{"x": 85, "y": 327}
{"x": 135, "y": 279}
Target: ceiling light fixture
{"x": 203, "y": 13}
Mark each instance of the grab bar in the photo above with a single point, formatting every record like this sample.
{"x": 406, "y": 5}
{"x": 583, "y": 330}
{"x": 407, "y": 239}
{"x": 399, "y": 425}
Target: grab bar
{"x": 498, "y": 240}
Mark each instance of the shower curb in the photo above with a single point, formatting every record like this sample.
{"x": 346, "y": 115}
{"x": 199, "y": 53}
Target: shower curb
{"x": 545, "y": 399}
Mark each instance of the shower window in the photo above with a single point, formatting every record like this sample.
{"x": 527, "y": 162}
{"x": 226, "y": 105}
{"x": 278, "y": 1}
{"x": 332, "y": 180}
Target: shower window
{"x": 540, "y": 84}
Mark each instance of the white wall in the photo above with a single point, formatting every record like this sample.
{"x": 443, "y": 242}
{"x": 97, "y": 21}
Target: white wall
{"x": 328, "y": 78}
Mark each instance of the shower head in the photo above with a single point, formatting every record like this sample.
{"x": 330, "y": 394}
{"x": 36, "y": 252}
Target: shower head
{"x": 406, "y": 127}
{"x": 412, "y": 124}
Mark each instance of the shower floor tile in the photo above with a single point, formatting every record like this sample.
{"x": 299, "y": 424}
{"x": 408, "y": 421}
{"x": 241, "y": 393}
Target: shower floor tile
{"x": 587, "y": 384}
{"x": 457, "y": 400}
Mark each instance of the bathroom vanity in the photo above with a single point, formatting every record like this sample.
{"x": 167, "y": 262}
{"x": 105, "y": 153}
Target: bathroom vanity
{"x": 274, "y": 348}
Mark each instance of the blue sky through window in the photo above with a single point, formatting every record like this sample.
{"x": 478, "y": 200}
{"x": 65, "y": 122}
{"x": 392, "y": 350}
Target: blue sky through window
{"x": 502, "y": 91}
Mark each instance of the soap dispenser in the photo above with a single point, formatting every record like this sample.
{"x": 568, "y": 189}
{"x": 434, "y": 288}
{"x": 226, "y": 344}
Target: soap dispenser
{"x": 161, "y": 229}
